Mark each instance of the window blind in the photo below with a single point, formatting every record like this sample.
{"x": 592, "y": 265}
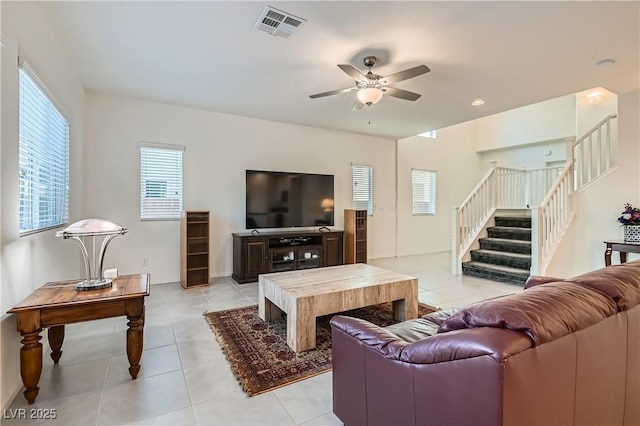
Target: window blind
{"x": 362, "y": 177}
{"x": 423, "y": 192}
{"x": 160, "y": 181}
{"x": 43, "y": 156}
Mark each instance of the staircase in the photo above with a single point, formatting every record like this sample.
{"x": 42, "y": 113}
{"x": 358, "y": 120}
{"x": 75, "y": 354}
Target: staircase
{"x": 505, "y": 255}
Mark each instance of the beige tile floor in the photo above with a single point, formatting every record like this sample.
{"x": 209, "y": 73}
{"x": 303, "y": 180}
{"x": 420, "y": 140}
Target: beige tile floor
{"x": 185, "y": 379}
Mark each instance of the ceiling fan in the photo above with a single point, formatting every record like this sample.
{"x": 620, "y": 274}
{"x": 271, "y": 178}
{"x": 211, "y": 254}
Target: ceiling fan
{"x": 370, "y": 87}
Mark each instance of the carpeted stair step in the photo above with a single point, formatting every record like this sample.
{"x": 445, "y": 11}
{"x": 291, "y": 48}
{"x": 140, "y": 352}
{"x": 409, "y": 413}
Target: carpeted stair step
{"x": 503, "y": 244}
{"x": 503, "y": 274}
{"x": 509, "y": 232}
{"x": 514, "y": 221}
{"x": 502, "y": 258}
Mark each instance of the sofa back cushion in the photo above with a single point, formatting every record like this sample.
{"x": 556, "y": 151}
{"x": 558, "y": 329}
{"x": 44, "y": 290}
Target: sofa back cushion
{"x": 544, "y": 312}
{"x": 620, "y": 282}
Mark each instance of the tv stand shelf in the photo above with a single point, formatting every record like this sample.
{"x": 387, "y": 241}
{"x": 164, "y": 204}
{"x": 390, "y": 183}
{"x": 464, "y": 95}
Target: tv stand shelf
{"x": 278, "y": 251}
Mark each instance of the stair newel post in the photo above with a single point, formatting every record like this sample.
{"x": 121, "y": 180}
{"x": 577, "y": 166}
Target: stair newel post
{"x": 493, "y": 184}
{"x": 456, "y": 266}
{"x": 536, "y": 239}
{"x": 526, "y": 184}
{"x": 572, "y": 161}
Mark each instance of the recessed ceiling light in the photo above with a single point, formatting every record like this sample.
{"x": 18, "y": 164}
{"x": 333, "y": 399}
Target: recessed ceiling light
{"x": 477, "y": 102}
{"x": 595, "y": 97}
{"x": 605, "y": 63}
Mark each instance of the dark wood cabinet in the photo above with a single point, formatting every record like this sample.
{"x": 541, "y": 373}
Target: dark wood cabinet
{"x": 333, "y": 250}
{"x": 250, "y": 255}
{"x": 355, "y": 236}
{"x": 284, "y": 251}
{"x": 194, "y": 249}
{"x": 256, "y": 256}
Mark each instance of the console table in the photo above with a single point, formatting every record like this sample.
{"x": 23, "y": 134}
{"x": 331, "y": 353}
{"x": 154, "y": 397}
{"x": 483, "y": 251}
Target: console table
{"x": 259, "y": 253}
{"x": 58, "y": 303}
{"x": 619, "y": 246}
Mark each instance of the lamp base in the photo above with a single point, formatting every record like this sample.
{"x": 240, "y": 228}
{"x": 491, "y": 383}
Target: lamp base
{"x": 93, "y": 285}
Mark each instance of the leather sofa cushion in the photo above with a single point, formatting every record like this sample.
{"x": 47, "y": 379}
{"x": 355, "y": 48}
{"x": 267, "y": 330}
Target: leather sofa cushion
{"x": 438, "y": 317}
{"x": 535, "y": 280}
{"x": 413, "y": 330}
{"x": 544, "y": 313}
{"x": 420, "y": 328}
{"x": 620, "y": 282}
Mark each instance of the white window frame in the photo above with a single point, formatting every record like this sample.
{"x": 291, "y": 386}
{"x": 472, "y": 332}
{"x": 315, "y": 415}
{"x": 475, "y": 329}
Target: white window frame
{"x": 43, "y": 156}
{"x": 423, "y": 192}
{"x": 362, "y": 199}
{"x": 162, "y": 165}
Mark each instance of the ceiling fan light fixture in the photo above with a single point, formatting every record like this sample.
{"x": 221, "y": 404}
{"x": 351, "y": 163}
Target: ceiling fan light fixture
{"x": 369, "y": 95}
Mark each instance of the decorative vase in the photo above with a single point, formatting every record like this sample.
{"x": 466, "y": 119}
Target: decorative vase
{"x": 632, "y": 234}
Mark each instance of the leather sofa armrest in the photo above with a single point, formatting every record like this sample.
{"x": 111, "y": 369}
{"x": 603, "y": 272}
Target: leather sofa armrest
{"x": 497, "y": 343}
{"x": 370, "y": 335}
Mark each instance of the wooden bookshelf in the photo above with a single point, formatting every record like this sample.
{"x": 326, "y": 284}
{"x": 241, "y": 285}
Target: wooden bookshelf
{"x": 355, "y": 236}
{"x": 194, "y": 249}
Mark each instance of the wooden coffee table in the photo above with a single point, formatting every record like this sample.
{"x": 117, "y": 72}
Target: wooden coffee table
{"x": 58, "y": 303}
{"x": 306, "y": 294}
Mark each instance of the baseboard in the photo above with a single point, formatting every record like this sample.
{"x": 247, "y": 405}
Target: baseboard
{"x": 10, "y": 359}
{"x": 14, "y": 394}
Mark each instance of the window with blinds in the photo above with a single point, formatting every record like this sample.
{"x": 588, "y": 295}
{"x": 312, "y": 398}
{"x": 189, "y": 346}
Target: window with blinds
{"x": 160, "y": 181}
{"x": 43, "y": 156}
{"x": 423, "y": 191}
{"x": 362, "y": 177}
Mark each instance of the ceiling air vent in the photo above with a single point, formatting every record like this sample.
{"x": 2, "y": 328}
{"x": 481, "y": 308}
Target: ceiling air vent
{"x": 278, "y": 23}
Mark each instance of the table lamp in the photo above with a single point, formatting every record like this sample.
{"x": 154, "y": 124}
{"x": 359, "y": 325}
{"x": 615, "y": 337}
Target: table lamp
{"x": 92, "y": 228}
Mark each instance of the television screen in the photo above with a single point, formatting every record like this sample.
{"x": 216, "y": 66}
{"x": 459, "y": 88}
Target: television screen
{"x": 282, "y": 199}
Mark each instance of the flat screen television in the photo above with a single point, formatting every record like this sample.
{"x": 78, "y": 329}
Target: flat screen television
{"x": 285, "y": 199}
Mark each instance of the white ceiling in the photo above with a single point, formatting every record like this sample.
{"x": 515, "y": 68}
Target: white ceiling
{"x": 208, "y": 55}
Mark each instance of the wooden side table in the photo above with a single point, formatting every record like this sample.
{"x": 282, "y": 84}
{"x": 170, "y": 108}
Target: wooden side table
{"x": 619, "y": 246}
{"x": 58, "y": 303}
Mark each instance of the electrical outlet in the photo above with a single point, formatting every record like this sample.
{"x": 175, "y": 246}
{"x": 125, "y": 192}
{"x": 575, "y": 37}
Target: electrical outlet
{"x": 145, "y": 262}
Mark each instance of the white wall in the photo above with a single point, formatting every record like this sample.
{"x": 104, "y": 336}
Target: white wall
{"x": 458, "y": 169}
{"x": 545, "y": 121}
{"x": 30, "y": 261}
{"x": 531, "y": 156}
{"x": 219, "y": 148}
{"x": 600, "y": 203}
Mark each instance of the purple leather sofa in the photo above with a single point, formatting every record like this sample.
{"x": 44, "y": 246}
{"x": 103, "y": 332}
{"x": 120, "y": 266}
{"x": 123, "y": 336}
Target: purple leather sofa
{"x": 562, "y": 352}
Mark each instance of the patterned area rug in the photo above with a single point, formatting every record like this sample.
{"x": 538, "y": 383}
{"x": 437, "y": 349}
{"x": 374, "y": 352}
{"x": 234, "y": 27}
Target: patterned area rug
{"x": 258, "y": 352}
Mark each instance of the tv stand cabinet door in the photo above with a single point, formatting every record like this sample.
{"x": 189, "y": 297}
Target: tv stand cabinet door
{"x": 333, "y": 254}
{"x": 255, "y": 256}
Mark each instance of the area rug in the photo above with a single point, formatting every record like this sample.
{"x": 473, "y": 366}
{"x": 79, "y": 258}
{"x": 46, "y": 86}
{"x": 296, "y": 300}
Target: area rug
{"x": 258, "y": 352}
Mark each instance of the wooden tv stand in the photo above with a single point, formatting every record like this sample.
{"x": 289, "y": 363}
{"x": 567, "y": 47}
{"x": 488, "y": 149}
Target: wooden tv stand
{"x": 255, "y": 254}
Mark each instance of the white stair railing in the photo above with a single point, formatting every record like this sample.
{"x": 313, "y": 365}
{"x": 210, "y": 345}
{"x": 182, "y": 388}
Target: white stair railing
{"x": 548, "y": 190}
{"x": 500, "y": 188}
{"x": 550, "y": 220}
{"x": 592, "y": 156}
{"x": 539, "y": 182}
{"x": 594, "y": 153}
{"x": 468, "y": 219}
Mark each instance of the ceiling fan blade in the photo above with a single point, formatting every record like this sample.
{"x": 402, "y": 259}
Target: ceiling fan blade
{"x": 406, "y": 74}
{"x": 357, "y": 105}
{"x": 332, "y": 92}
{"x": 351, "y": 71}
{"x": 402, "y": 94}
